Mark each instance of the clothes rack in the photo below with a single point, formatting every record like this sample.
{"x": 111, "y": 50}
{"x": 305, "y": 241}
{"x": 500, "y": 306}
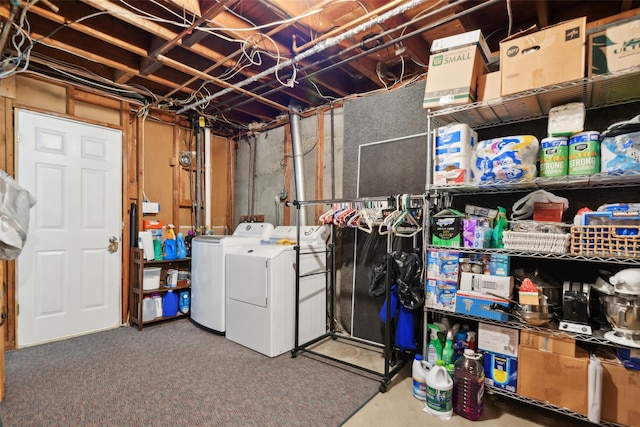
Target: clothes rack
{"x": 387, "y": 346}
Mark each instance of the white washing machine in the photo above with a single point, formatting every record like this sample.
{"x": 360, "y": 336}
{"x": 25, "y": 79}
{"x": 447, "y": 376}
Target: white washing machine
{"x": 208, "y": 272}
{"x": 261, "y": 291}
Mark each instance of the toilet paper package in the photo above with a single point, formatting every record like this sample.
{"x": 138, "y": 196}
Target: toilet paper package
{"x": 506, "y": 158}
{"x": 620, "y": 154}
{"x": 452, "y": 154}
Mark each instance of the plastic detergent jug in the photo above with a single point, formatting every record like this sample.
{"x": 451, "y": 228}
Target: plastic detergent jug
{"x": 182, "y": 248}
{"x": 170, "y": 304}
{"x": 419, "y": 374}
{"x": 157, "y": 300}
{"x": 183, "y": 302}
{"x": 468, "y": 385}
{"x": 439, "y": 392}
{"x": 170, "y": 249}
{"x": 148, "y": 309}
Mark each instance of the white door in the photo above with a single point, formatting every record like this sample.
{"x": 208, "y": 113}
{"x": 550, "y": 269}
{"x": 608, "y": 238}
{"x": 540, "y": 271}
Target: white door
{"x": 68, "y": 279}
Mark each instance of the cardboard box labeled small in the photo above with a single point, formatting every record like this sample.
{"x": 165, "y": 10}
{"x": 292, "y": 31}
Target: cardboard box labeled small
{"x": 478, "y": 304}
{"x": 485, "y": 283}
{"x": 553, "y": 55}
{"x": 559, "y": 380}
{"x": 616, "y": 48}
{"x": 501, "y": 371}
{"x": 498, "y": 339}
{"x": 452, "y": 77}
{"x": 470, "y": 38}
{"x": 562, "y": 345}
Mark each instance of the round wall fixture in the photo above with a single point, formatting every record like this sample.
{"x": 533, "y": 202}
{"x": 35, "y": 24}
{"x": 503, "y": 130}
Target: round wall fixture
{"x": 185, "y": 159}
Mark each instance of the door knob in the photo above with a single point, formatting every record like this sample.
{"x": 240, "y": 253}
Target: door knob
{"x": 113, "y": 244}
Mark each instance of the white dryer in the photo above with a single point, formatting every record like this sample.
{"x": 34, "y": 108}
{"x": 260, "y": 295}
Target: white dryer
{"x": 261, "y": 290}
{"x": 208, "y": 272}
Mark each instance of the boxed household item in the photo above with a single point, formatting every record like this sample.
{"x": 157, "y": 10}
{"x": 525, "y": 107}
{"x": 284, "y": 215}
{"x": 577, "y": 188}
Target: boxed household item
{"x": 151, "y": 278}
{"x": 446, "y": 228}
{"x": 470, "y": 38}
{"x": 614, "y": 48}
{"x": 620, "y": 391}
{"x": 498, "y": 339}
{"x": 553, "y": 378}
{"x": 443, "y": 265}
{"x": 530, "y": 60}
{"x": 476, "y": 233}
{"x": 501, "y": 371}
{"x": 505, "y": 158}
{"x": 489, "y": 86}
{"x": 442, "y": 277}
{"x": 562, "y": 345}
{"x": 477, "y": 304}
{"x": 486, "y": 283}
{"x": 452, "y": 77}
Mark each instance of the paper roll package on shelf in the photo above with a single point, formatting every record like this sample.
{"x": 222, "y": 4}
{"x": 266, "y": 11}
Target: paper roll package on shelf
{"x": 452, "y": 148}
{"x": 506, "y": 158}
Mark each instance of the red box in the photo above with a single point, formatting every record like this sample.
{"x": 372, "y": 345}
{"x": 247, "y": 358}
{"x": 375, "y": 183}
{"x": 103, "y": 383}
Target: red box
{"x": 549, "y": 212}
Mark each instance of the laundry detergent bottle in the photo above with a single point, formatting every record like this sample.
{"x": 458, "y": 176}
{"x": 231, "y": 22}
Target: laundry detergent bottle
{"x": 170, "y": 304}
{"x": 182, "y": 248}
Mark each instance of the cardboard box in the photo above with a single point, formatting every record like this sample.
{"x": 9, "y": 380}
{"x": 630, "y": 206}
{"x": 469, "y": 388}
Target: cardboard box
{"x": 498, "y": 339}
{"x": 486, "y": 283}
{"x": 452, "y": 77}
{"x": 477, "y": 304}
{"x": 551, "y": 56}
{"x": 501, "y": 371}
{"x": 559, "y": 380}
{"x": 614, "y": 48}
{"x": 470, "y": 38}
{"x": 489, "y": 86}
{"x": 620, "y": 391}
{"x": 562, "y": 345}
{"x": 443, "y": 265}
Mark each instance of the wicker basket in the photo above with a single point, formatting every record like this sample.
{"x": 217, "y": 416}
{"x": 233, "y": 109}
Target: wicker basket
{"x": 606, "y": 240}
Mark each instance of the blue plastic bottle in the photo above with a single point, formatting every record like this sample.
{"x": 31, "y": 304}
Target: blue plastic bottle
{"x": 183, "y": 302}
{"x": 170, "y": 249}
{"x": 169, "y": 304}
{"x": 182, "y": 249}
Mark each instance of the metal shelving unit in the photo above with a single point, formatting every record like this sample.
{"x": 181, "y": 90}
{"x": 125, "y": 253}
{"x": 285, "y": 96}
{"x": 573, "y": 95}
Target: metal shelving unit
{"x": 595, "y": 92}
{"x": 545, "y": 405}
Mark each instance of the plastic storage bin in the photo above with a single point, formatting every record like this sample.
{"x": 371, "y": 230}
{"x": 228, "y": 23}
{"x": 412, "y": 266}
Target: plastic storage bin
{"x": 151, "y": 278}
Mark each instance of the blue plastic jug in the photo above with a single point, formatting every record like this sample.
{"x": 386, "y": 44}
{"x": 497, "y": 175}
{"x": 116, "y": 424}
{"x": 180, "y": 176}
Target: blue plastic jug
{"x": 170, "y": 249}
{"x": 169, "y": 304}
{"x": 182, "y": 249}
{"x": 183, "y": 302}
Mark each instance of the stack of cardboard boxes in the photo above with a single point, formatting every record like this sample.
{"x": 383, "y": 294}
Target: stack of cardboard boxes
{"x": 529, "y": 60}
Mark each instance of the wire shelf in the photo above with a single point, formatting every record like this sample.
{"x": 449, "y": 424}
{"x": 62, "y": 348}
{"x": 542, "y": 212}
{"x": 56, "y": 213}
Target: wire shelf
{"x": 545, "y": 405}
{"x": 595, "y": 92}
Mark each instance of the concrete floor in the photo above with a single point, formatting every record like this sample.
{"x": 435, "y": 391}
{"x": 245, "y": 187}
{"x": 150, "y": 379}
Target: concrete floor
{"x": 398, "y": 407}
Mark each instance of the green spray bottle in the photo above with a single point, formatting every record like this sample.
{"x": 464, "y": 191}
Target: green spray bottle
{"x": 434, "y": 349}
{"x": 447, "y": 352}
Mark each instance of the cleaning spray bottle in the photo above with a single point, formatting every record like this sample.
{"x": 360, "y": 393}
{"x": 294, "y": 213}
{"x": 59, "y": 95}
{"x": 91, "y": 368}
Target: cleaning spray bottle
{"x": 447, "y": 351}
{"x": 434, "y": 349}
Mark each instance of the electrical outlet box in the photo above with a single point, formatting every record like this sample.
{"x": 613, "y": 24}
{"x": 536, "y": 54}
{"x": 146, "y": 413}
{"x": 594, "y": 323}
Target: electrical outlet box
{"x": 149, "y": 208}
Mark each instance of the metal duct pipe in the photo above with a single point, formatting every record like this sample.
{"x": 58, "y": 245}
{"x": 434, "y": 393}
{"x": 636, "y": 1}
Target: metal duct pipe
{"x": 198, "y": 211}
{"x": 207, "y": 178}
{"x": 317, "y": 48}
{"x": 296, "y": 142}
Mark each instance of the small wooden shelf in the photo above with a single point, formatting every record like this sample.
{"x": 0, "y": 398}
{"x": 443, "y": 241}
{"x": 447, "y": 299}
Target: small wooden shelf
{"x": 137, "y": 292}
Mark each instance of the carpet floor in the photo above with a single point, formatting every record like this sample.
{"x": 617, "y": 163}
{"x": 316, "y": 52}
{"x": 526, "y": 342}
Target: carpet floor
{"x": 173, "y": 374}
